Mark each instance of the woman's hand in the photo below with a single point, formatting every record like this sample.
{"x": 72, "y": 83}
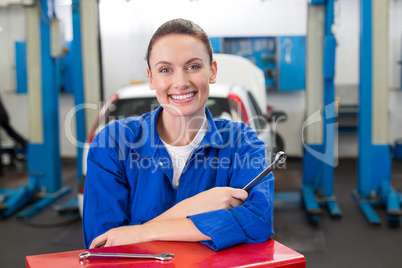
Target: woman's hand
{"x": 120, "y": 236}
{"x": 213, "y": 199}
{"x": 210, "y": 200}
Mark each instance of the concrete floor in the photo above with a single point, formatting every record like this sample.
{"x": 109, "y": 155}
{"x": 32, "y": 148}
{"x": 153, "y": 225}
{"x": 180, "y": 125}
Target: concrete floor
{"x": 347, "y": 242}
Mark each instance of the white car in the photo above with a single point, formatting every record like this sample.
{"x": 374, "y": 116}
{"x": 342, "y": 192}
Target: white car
{"x": 239, "y": 95}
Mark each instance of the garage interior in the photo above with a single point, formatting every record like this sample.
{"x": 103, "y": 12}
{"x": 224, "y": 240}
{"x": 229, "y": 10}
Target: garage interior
{"x": 340, "y": 210}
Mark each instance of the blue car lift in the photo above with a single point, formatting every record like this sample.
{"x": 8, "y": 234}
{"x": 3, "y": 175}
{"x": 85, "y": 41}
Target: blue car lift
{"x": 44, "y": 162}
{"x": 87, "y": 78}
{"x": 374, "y": 163}
{"x": 78, "y": 86}
{"x": 319, "y": 148}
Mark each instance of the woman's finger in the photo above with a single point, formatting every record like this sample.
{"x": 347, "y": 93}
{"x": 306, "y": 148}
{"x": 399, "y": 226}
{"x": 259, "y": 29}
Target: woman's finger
{"x": 239, "y": 194}
{"x": 236, "y": 202}
{"x": 99, "y": 241}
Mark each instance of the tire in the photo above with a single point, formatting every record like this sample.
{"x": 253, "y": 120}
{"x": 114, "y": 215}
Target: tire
{"x": 279, "y": 144}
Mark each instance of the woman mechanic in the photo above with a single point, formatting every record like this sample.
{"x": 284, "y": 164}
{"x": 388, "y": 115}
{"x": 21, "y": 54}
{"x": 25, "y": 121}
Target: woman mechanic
{"x": 176, "y": 174}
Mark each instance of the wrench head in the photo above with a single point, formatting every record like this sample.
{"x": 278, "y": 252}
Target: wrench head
{"x": 84, "y": 255}
{"x": 280, "y": 157}
{"x": 166, "y": 256}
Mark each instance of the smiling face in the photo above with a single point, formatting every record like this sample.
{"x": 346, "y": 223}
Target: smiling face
{"x": 180, "y": 72}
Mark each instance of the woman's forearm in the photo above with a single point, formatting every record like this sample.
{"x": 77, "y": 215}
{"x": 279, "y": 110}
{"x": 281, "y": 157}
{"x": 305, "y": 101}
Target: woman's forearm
{"x": 210, "y": 200}
{"x": 182, "y": 229}
{"x": 169, "y": 230}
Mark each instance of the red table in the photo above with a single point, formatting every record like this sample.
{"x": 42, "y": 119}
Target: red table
{"x": 187, "y": 254}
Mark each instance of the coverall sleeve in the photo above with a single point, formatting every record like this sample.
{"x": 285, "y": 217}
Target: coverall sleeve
{"x": 253, "y": 221}
{"x": 106, "y": 189}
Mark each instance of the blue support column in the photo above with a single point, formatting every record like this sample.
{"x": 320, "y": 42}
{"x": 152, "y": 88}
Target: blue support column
{"x": 78, "y": 84}
{"x": 319, "y": 159}
{"x": 329, "y": 113}
{"x": 365, "y": 101}
{"x": 374, "y": 162}
{"x": 79, "y": 99}
{"x": 50, "y": 100}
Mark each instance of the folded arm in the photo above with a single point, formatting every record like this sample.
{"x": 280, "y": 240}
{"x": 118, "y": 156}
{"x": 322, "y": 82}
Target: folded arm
{"x": 173, "y": 225}
{"x": 210, "y": 200}
{"x": 181, "y": 229}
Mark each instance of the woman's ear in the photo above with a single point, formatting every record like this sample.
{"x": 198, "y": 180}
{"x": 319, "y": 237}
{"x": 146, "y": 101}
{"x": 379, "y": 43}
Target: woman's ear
{"x": 214, "y": 70}
{"x": 151, "y": 83}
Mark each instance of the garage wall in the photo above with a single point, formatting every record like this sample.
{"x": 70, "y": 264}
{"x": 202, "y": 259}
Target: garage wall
{"x": 127, "y": 26}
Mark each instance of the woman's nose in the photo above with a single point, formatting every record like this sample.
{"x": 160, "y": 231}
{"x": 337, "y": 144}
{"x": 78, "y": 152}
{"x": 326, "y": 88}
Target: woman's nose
{"x": 181, "y": 81}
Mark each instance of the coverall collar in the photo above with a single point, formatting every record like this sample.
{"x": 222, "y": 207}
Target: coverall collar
{"x": 212, "y": 138}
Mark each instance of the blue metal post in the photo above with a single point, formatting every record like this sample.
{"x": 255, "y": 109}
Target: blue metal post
{"x": 318, "y": 174}
{"x": 374, "y": 163}
{"x": 365, "y": 101}
{"x": 78, "y": 84}
{"x": 50, "y": 100}
{"x": 78, "y": 91}
{"x": 329, "y": 99}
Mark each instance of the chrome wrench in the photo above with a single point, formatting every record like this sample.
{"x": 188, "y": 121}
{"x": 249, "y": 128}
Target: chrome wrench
{"x": 162, "y": 257}
{"x": 280, "y": 158}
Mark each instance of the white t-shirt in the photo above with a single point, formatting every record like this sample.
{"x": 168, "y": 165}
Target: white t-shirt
{"x": 180, "y": 154}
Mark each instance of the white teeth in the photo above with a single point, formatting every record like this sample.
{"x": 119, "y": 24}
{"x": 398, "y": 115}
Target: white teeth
{"x": 182, "y": 97}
